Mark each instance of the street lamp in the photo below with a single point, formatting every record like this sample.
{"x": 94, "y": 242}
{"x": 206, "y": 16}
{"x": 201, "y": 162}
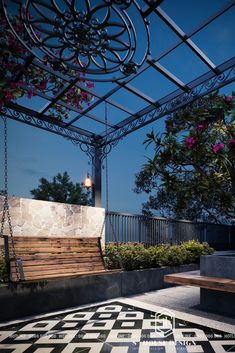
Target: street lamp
{"x": 89, "y": 185}
{"x": 88, "y": 182}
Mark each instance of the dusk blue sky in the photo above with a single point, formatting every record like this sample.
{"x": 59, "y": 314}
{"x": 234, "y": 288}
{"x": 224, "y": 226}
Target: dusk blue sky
{"x": 34, "y": 153}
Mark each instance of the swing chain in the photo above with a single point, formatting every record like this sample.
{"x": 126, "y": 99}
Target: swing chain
{"x": 6, "y": 209}
{"x": 107, "y": 193}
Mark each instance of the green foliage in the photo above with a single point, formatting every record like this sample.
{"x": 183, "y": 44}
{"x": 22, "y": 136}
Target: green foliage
{"x": 3, "y": 269}
{"x": 191, "y": 174}
{"x": 135, "y": 256}
{"x": 195, "y": 249}
{"x": 61, "y": 189}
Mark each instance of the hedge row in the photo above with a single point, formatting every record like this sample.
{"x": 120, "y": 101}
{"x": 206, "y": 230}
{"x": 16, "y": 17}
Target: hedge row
{"x": 134, "y": 256}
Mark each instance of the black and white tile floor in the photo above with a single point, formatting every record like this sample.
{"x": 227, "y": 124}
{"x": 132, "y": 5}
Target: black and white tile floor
{"x": 113, "y": 327}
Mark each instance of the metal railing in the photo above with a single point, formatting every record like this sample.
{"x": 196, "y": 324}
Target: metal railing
{"x": 124, "y": 227}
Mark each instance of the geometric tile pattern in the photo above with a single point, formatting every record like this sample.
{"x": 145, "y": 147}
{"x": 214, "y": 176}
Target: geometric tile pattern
{"x": 113, "y": 328}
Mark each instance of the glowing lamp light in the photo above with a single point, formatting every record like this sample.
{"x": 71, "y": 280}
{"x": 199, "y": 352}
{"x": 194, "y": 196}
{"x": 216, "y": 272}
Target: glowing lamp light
{"x": 88, "y": 182}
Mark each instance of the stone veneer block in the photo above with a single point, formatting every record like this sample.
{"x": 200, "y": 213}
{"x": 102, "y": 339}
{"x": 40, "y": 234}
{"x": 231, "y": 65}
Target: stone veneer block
{"x": 45, "y": 218}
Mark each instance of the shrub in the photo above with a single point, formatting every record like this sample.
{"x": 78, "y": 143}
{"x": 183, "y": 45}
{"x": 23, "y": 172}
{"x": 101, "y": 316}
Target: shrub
{"x": 134, "y": 256}
{"x": 195, "y": 249}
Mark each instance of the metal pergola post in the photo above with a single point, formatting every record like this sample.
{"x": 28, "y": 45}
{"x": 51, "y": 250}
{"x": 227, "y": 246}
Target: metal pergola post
{"x": 96, "y": 178}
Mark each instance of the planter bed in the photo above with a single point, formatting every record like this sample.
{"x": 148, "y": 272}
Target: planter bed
{"x": 31, "y": 298}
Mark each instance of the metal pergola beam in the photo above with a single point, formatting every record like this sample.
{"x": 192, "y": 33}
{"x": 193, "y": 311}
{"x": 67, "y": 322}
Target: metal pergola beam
{"x": 68, "y": 32}
{"x": 135, "y": 91}
{"x": 169, "y": 104}
{"x": 67, "y": 79}
{"x": 183, "y": 36}
{"x": 29, "y": 117}
{"x": 138, "y": 93}
{"x": 168, "y": 75}
{"x": 226, "y": 7}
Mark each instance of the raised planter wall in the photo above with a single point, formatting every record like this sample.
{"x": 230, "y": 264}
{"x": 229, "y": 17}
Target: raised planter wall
{"x": 24, "y": 299}
{"x": 44, "y": 218}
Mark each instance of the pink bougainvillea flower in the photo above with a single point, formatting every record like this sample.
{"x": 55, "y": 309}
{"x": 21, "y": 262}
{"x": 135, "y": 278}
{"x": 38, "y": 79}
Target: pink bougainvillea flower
{"x": 30, "y": 94}
{"x": 201, "y": 126}
{"x": 231, "y": 142}
{"x": 217, "y": 147}
{"x": 21, "y": 83}
{"x": 43, "y": 85}
{"x": 190, "y": 141}
{"x": 90, "y": 84}
{"x": 229, "y": 99}
{"x": 8, "y": 96}
{"x": 14, "y": 85}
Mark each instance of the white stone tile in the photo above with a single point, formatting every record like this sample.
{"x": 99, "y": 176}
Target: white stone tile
{"x": 94, "y": 347}
{"x": 196, "y": 349}
{"x": 104, "y": 316}
{"x": 128, "y": 324}
{"x": 91, "y": 335}
{"x": 220, "y": 346}
{"x": 24, "y": 336}
{"x": 189, "y": 334}
{"x": 110, "y": 308}
{"x": 69, "y": 324}
{"x": 6, "y": 334}
{"x": 63, "y": 336}
{"x": 15, "y": 348}
{"x": 130, "y": 315}
{"x": 168, "y": 346}
{"x": 119, "y": 349}
{"x": 44, "y": 350}
{"x": 149, "y": 324}
{"x": 79, "y": 316}
{"x": 118, "y": 336}
{"x": 99, "y": 325}
{"x": 43, "y": 325}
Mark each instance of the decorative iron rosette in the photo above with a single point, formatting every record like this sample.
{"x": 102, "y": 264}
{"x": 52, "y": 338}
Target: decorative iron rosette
{"x": 105, "y": 39}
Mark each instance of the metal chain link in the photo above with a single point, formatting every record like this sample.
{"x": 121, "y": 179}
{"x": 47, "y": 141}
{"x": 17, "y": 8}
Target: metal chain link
{"x": 107, "y": 192}
{"x": 6, "y": 209}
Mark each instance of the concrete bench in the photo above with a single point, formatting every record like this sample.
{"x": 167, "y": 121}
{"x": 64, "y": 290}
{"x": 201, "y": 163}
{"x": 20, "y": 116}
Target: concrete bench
{"x": 195, "y": 279}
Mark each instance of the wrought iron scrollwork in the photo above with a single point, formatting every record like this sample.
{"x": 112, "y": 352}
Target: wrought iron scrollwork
{"x": 46, "y": 125}
{"x": 183, "y": 101}
{"x": 95, "y": 38}
{"x": 88, "y": 145}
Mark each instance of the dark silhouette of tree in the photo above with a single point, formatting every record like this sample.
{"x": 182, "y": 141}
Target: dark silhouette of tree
{"x": 61, "y": 189}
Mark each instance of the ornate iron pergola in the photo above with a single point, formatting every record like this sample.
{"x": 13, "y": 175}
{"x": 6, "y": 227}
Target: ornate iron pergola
{"x": 109, "y": 42}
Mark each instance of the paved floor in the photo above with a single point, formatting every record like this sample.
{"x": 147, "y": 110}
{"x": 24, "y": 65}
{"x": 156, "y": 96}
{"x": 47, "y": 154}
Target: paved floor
{"x": 181, "y": 298}
{"x": 163, "y": 321}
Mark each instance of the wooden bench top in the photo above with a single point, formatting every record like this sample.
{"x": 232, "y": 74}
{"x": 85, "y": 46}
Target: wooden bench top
{"x": 194, "y": 278}
{"x": 50, "y": 257}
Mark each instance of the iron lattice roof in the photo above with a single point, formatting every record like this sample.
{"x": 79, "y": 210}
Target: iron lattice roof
{"x": 127, "y": 49}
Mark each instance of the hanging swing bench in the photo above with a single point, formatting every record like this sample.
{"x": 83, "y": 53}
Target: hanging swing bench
{"x": 35, "y": 258}
{"x": 31, "y": 258}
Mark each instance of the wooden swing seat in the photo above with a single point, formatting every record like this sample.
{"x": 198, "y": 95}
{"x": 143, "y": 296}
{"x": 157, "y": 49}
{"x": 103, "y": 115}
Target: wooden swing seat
{"x": 52, "y": 257}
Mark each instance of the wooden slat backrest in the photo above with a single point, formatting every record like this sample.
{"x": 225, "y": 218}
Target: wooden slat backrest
{"x": 48, "y": 257}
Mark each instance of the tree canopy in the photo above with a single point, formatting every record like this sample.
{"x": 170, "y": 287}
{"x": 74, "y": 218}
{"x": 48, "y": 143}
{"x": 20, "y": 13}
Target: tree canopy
{"x": 192, "y": 172}
{"x": 61, "y": 189}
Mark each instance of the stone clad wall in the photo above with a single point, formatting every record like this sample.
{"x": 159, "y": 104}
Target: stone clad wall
{"x": 44, "y": 218}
